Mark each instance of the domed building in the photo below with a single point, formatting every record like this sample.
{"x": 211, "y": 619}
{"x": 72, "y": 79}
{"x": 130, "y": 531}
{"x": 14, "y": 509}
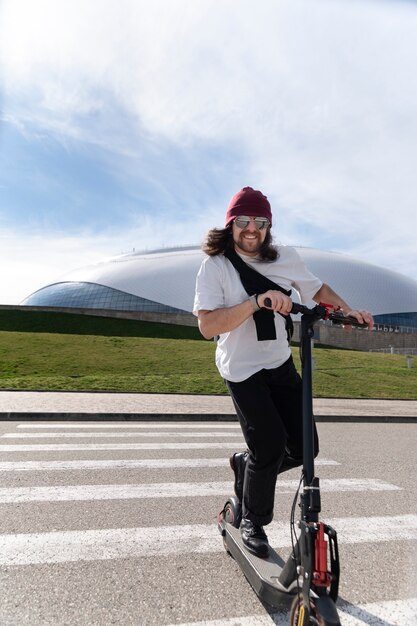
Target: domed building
{"x": 162, "y": 281}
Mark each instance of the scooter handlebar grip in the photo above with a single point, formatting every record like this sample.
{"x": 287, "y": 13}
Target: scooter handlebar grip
{"x": 349, "y": 320}
{"x": 296, "y": 308}
{"x": 335, "y": 317}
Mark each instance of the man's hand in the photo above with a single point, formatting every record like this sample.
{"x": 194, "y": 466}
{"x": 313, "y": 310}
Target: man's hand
{"x": 363, "y": 317}
{"x": 326, "y": 294}
{"x": 280, "y": 303}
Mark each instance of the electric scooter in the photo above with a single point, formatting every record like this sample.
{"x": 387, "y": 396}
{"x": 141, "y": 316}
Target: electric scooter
{"x": 310, "y": 577}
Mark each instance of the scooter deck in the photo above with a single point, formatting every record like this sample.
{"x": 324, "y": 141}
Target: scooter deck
{"x": 262, "y": 574}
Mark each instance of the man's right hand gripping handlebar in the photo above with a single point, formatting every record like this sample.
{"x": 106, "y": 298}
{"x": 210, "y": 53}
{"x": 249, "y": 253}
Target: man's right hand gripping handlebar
{"x": 275, "y": 300}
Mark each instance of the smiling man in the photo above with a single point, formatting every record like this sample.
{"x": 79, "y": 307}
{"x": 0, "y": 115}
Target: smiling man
{"x": 241, "y": 270}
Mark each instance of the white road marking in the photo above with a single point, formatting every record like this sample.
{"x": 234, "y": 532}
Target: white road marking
{"x": 52, "y": 435}
{"x": 109, "y": 464}
{"x": 280, "y": 618}
{"x": 388, "y": 613}
{"x": 63, "y": 447}
{"x": 121, "y": 543}
{"x": 140, "y": 426}
{"x": 64, "y": 493}
{"x": 58, "y": 547}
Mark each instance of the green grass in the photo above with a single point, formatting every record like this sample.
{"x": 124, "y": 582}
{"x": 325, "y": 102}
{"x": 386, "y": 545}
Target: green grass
{"x": 65, "y": 351}
{"x": 85, "y": 362}
{"x": 82, "y": 362}
{"x": 353, "y": 374}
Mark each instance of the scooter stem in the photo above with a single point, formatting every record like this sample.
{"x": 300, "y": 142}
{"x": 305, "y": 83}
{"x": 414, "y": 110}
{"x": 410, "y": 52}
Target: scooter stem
{"x": 310, "y": 499}
{"x": 307, "y": 334}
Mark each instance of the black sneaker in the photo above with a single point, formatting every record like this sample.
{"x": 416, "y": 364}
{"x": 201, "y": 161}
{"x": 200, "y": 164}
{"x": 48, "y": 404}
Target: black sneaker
{"x": 254, "y": 538}
{"x": 238, "y": 463}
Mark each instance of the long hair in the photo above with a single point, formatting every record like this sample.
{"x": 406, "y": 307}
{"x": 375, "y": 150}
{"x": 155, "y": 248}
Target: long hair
{"x": 218, "y": 239}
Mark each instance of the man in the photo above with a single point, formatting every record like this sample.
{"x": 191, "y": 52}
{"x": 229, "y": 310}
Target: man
{"x": 241, "y": 271}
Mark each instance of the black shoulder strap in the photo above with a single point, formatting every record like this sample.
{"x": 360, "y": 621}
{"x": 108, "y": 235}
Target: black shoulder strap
{"x": 253, "y": 283}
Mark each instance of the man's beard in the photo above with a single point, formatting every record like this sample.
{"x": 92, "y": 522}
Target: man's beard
{"x": 251, "y": 246}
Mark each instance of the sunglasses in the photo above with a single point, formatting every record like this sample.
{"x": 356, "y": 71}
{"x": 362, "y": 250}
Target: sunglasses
{"x": 243, "y": 222}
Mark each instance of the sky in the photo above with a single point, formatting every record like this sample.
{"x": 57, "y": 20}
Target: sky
{"x": 128, "y": 125}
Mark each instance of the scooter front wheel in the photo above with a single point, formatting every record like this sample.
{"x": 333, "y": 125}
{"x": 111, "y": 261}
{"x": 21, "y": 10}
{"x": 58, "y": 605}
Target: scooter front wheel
{"x": 323, "y": 612}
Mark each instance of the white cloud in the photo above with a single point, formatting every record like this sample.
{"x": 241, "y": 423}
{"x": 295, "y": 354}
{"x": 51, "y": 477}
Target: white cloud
{"x": 31, "y": 261}
{"x": 204, "y": 69}
{"x": 319, "y": 96}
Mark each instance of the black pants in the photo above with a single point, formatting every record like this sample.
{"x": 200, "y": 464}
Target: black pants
{"x": 269, "y": 408}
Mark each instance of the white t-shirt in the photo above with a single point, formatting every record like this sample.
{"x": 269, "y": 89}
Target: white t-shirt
{"x": 239, "y": 354}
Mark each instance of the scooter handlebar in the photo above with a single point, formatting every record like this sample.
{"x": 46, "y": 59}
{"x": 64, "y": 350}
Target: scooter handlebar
{"x": 324, "y": 312}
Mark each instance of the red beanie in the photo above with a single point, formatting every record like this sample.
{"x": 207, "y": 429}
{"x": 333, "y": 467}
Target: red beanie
{"x": 248, "y": 202}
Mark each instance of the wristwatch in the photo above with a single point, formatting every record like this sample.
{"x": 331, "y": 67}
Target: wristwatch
{"x": 254, "y": 302}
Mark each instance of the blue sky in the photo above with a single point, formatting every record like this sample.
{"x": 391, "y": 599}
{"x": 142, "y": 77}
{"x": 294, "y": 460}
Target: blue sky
{"x": 129, "y": 125}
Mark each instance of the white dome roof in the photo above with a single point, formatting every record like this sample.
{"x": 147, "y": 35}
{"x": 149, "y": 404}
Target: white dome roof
{"x": 168, "y": 276}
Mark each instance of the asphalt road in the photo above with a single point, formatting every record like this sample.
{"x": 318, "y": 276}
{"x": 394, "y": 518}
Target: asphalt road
{"x": 115, "y": 523}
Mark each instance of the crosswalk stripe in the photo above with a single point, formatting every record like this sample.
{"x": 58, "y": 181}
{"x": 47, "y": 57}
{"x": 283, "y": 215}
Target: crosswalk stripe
{"x": 278, "y": 618}
{"x": 120, "y": 543}
{"x": 98, "y": 435}
{"x": 108, "y": 464}
{"x": 132, "y": 425}
{"x": 391, "y": 612}
{"x": 64, "y": 493}
{"x": 63, "y": 447}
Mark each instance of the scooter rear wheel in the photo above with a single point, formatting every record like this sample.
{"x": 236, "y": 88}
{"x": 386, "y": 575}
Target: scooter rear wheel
{"x": 323, "y": 612}
{"x": 232, "y": 512}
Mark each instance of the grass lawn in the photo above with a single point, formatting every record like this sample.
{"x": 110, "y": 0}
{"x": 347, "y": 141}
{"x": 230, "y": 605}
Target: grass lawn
{"x": 82, "y": 362}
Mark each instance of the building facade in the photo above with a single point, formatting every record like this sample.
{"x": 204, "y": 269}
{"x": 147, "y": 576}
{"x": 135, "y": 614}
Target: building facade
{"x": 162, "y": 281}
